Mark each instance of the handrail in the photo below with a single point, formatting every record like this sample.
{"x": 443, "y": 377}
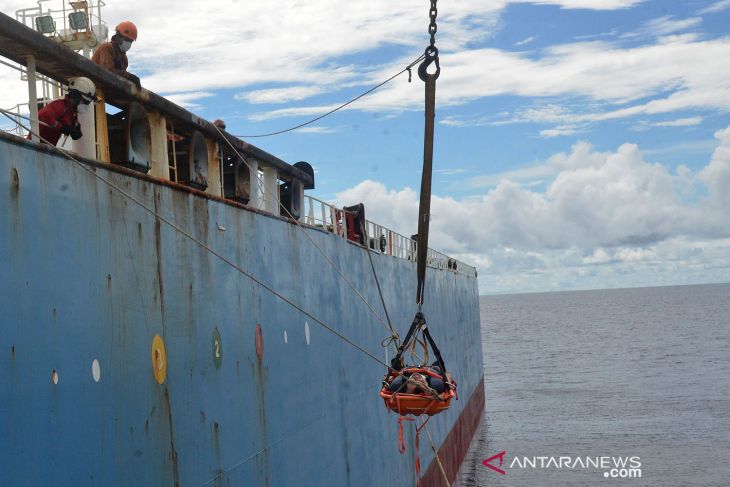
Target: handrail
{"x": 332, "y": 219}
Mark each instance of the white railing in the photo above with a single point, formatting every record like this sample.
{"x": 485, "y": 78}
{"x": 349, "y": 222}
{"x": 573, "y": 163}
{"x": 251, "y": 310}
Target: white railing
{"x": 381, "y": 239}
{"x": 27, "y": 17}
{"x": 50, "y": 89}
{"x": 323, "y": 215}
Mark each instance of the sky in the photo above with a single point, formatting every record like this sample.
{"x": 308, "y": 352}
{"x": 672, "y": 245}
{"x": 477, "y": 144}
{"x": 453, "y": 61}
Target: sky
{"x": 579, "y": 144}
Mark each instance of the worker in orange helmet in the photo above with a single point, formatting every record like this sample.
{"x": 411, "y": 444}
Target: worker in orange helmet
{"x": 112, "y": 55}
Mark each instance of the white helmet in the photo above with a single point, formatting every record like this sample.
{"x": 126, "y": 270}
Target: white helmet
{"x": 84, "y": 86}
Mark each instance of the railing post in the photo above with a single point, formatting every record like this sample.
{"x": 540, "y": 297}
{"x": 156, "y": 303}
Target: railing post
{"x": 271, "y": 190}
{"x": 255, "y": 198}
{"x": 158, "y": 136}
{"x": 32, "y": 98}
{"x": 86, "y": 145}
{"x": 215, "y": 183}
{"x": 310, "y": 213}
{"x": 300, "y": 195}
{"x": 344, "y": 223}
{"x": 102, "y": 132}
{"x": 333, "y": 219}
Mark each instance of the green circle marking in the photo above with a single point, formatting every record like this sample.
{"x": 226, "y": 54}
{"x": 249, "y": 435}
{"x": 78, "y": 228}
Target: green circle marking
{"x": 217, "y": 346}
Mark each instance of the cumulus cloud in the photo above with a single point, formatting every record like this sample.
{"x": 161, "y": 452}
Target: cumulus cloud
{"x": 716, "y": 175}
{"x": 613, "y": 209}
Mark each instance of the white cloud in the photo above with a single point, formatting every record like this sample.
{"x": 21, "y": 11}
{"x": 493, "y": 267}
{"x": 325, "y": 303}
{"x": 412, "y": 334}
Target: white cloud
{"x": 559, "y": 131}
{"x": 525, "y": 41}
{"x": 614, "y": 210}
{"x": 716, "y": 7}
{"x": 587, "y": 4}
{"x": 279, "y": 95}
{"x": 664, "y": 26}
{"x": 292, "y": 112}
{"x": 12, "y": 89}
{"x": 716, "y": 175}
{"x": 187, "y": 100}
{"x": 247, "y": 46}
{"x": 318, "y": 130}
{"x": 599, "y": 256}
{"x": 680, "y": 122}
{"x": 606, "y": 77}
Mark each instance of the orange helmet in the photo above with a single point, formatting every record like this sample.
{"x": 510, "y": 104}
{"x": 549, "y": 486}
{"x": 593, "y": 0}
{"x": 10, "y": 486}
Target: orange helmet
{"x": 127, "y": 29}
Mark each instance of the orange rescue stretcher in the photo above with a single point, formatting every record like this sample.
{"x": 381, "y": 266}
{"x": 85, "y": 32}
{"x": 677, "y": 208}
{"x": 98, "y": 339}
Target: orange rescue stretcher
{"x": 417, "y": 404}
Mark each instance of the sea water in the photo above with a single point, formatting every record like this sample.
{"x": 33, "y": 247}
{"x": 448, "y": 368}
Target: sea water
{"x": 626, "y": 387}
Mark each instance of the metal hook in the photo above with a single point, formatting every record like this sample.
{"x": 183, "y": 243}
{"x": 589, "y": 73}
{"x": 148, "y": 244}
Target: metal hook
{"x": 430, "y": 55}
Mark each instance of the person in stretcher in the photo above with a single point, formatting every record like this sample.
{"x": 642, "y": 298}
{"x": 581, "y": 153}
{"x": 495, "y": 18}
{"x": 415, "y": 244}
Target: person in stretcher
{"x": 415, "y": 382}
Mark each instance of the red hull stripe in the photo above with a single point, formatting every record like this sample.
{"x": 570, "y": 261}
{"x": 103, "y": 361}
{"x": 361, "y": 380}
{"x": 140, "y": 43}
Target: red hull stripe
{"x": 454, "y": 447}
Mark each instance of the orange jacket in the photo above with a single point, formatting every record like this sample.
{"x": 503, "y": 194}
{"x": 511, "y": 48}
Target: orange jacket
{"x": 109, "y": 56}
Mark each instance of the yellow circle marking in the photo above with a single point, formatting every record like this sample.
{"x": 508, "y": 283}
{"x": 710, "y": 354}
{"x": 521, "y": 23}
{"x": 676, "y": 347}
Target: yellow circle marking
{"x": 159, "y": 359}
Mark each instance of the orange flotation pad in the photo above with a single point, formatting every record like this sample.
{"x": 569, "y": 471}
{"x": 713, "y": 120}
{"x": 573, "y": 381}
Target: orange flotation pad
{"x": 416, "y": 404}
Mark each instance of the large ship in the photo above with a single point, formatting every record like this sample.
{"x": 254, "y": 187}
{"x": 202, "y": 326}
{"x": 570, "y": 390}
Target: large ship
{"x": 177, "y": 310}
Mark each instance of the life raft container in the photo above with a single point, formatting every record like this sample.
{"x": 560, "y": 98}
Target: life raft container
{"x": 417, "y": 404}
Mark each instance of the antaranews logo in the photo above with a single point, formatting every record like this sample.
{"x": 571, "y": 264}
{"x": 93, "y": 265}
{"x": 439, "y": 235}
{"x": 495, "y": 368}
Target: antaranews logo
{"x": 612, "y": 467}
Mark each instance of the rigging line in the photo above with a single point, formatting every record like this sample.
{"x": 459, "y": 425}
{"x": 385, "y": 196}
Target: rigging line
{"x": 255, "y": 454}
{"x": 309, "y": 237}
{"x": 212, "y": 251}
{"x": 407, "y": 68}
{"x": 436, "y": 455}
{"x": 8, "y": 114}
{"x": 394, "y": 337}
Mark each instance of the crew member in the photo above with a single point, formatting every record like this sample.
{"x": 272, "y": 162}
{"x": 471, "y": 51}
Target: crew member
{"x": 112, "y": 55}
{"x": 61, "y": 116}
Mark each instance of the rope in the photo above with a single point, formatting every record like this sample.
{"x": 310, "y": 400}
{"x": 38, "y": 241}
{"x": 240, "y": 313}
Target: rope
{"x": 417, "y": 446}
{"x": 210, "y": 250}
{"x": 407, "y": 68}
{"x": 309, "y": 237}
{"x": 394, "y": 337}
{"x": 436, "y": 455}
{"x": 8, "y": 113}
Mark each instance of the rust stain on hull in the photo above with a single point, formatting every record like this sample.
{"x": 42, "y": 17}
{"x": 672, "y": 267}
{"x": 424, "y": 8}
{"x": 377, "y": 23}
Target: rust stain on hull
{"x": 261, "y": 397}
{"x": 173, "y": 451}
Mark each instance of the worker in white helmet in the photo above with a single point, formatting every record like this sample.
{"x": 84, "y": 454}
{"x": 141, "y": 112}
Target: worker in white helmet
{"x": 61, "y": 116}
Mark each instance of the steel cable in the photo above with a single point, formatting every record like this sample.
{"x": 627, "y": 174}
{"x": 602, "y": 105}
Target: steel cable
{"x": 407, "y": 68}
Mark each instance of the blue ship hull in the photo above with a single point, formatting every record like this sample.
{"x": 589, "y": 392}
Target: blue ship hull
{"x": 89, "y": 279}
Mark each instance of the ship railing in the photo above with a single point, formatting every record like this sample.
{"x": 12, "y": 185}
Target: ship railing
{"x": 64, "y": 24}
{"x": 50, "y": 89}
{"x": 323, "y": 215}
{"x": 382, "y": 239}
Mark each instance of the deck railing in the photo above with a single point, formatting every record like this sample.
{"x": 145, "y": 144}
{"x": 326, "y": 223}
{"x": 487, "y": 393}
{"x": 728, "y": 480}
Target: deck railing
{"x": 328, "y": 217}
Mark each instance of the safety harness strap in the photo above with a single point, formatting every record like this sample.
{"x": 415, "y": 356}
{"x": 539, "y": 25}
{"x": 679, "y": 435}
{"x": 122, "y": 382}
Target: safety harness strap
{"x": 419, "y": 324}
